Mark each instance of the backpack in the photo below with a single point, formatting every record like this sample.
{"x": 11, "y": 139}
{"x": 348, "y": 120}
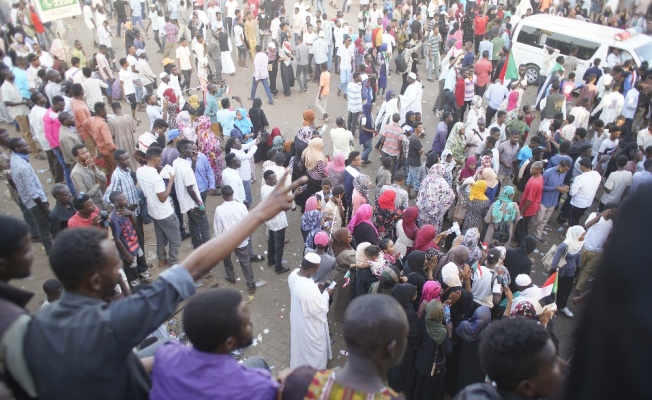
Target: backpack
{"x": 401, "y": 65}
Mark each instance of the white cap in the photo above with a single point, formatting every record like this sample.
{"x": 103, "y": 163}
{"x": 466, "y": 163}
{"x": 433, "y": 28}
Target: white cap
{"x": 271, "y": 45}
{"x": 162, "y": 75}
{"x": 140, "y": 51}
{"x": 523, "y": 280}
{"x": 412, "y": 75}
{"x": 312, "y": 258}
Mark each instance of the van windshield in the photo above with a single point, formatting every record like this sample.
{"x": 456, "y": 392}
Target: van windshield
{"x": 644, "y": 52}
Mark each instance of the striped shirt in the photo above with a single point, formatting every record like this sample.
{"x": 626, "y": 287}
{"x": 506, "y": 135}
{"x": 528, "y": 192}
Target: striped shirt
{"x": 171, "y": 32}
{"x": 392, "y": 134}
{"x": 354, "y": 93}
{"x": 122, "y": 181}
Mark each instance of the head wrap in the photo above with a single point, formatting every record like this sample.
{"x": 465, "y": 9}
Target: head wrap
{"x": 489, "y": 176}
{"x": 308, "y": 117}
{"x": 387, "y": 199}
{"x": 504, "y": 209}
{"x": 573, "y": 241}
{"x": 468, "y": 171}
{"x": 472, "y": 329}
{"x": 360, "y": 256}
{"x": 477, "y": 191}
{"x": 311, "y": 204}
{"x": 403, "y": 293}
{"x": 451, "y": 275}
{"x": 362, "y": 183}
{"x": 338, "y": 164}
{"x": 434, "y": 317}
{"x": 425, "y": 237}
{"x": 410, "y": 227}
{"x": 363, "y": 214}
{"x": 314, "y": 153}
{"x": 339, "y": 241}
{"x": 430, "y": 291}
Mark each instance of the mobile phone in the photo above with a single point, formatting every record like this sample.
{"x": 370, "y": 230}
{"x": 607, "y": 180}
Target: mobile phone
{"x": 447, "y": 313}
{"x": 332, "y": 285}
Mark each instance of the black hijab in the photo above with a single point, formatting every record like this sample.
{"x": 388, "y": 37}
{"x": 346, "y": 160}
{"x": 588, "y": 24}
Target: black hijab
{"x": 404, "y": 293}
{"x": 415, "y": 263}
{"x": 517, "y": 261}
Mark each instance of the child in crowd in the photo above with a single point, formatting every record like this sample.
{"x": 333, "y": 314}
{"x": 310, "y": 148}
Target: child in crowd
{"x": 52, "y": 289}
{"x": 122, "y": 226}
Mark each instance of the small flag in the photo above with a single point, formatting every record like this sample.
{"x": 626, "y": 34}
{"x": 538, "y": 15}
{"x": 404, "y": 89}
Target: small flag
{"x": 548, "y": 293}
{"x": 510, "y": 70}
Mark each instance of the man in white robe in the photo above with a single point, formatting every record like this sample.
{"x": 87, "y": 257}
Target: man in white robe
{"x": 309, "y": 338}
{"x": 411, "y": 99}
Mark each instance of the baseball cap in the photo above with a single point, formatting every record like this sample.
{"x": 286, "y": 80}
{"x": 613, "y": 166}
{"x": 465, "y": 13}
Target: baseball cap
{"x": 321, "y": 239}
{"x": 167, "y": 61}
{"x": 523, "y": 280}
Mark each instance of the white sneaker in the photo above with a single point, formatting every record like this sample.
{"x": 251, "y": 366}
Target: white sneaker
{"x": 567, "y": 312}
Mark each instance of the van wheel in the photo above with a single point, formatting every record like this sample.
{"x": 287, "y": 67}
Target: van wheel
{"x": 532, "y": 74}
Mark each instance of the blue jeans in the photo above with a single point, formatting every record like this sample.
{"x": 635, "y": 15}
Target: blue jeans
{"x": 413, "y": 177}
{"x": 366, "y": 150}
{"x": 254, "y": 87}
{"x": 345, "y": 77}
{"x": 247, "y": 187}
{"x": 329, "y": 56}
{"x": 135, "y": 19}
{"x": 66, "y": 171}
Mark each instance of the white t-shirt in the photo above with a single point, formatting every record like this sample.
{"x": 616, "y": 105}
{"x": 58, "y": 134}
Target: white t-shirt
{"x": 131, "y": 60}
{"x": 231, "y": 6}
{"x": 617, "y": 182}
{"x": 184, "y": 176}
{"x": 584, "y": 188}
{"x": 341, "y": 138}
{"x": 482, "y": 290}
{"x": 183, "y": 55}
{"x": 151, "y": 183}
{"x": 597, "y": 234}
{"x": 93, "y": 91}
{"x": 126, "y": 77}
{"x": 239, "y": 34}
{"x": 346, "y": 57}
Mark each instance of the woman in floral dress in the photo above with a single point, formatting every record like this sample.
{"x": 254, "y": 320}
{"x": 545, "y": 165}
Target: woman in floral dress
{"x": 477, "y": 207}
{"x": 209, "y": 144}
{"x": 434, "y": 198}
{"x": 387, "y": 215}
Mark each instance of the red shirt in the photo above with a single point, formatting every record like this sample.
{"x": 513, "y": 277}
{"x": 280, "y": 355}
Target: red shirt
{"x": 460, "y": 88}
{"x": 483, "y": 70}
{"x": 76, "y": 221}
{"x": 481, "y": 24}
{"x": 38, "y": 26}
{"x": 533, "y": 192}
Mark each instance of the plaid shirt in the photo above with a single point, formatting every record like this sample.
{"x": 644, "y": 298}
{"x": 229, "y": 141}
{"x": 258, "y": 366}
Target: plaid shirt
{"x": 171, "y": 32}
{"x": 84, "y": 180}
{"x": 27, "y": 183}
{"x": 122, "y": 181}
{"x": 320, "y": 49}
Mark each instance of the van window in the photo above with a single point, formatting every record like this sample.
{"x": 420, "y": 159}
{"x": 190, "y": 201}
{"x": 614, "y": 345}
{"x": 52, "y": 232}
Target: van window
{"x": 644, "y": 52}
{"x": 537, "y": 37}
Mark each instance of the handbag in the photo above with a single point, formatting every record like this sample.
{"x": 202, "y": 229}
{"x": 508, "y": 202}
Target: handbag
{"x": 401, "y": 65}
{"x": 438, "y": 368}
{"x": 459, "y": 212}
{"x": 547, "y": 259}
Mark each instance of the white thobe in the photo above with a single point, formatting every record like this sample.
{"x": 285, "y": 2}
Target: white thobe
{"x": 411, "y": 99}
{"x": 309, "y": 339}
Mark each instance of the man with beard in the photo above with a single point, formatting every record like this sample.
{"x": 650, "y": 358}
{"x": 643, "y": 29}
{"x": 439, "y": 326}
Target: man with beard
{"x": 217, "y": 322}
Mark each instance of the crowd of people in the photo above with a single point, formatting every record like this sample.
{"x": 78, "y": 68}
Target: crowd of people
{"x": 447, "y": 230}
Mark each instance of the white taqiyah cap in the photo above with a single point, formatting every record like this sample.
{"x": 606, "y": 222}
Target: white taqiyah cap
{"x": 162, "y": 75}
{"x": 523, "y": 280}
{"x": 312, "y": 258}
{"x": 412, "y": 75}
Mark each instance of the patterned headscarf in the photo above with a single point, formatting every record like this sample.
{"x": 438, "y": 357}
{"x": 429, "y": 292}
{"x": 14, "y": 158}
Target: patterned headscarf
{"x": 504, "y": 209}
{"x": 362, "y": 183}
{"x": 472, "y": 329}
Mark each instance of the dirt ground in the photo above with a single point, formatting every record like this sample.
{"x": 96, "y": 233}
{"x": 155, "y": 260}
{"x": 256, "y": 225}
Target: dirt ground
{"x": 270, "y": 305}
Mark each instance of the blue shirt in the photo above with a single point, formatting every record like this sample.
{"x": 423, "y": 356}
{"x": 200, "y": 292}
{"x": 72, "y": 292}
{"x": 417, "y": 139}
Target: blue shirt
{"x": 21, "y": 82}
{"x": 640, "y": 178}
{"x": 556, "y": 160}
{"x": 496, "y": 93}
{"x": 551, "y": 179}
{"x": 439, "y": 142}
{"x": 468, "y": 59}
{"x": 523, "y": 155}
{"x": 213, "y": 105}
{"x": 226, "y": 118}
{"x": 593, "y": 70}
{"x": 204, "y": 174}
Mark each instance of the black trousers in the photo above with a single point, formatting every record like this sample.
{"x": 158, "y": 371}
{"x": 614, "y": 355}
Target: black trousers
{"x": 564, "y": 288}
{"x": 187, "y": 74}
{"x": 275, "y": 247}
{"x": 490, "y": 114}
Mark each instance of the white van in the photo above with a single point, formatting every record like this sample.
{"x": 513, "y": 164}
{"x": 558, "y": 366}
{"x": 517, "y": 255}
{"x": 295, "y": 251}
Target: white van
{"x": 593, "y": 41}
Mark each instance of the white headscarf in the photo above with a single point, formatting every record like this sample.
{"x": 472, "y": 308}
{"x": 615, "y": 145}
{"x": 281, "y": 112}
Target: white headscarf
{"x": 451, "y": 275}
{"x": 572, "y": 239}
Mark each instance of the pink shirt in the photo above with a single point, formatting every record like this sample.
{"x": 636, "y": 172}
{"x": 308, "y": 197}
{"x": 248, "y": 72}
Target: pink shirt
{"x": 51, "y": 126}
{"x": 357, "y": 200}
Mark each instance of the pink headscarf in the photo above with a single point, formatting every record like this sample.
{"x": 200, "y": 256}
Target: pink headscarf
{"x": 430, "y": 291}
{"x": 338, "y": 164}
{"x": 363, "y": 214}
{"x": 311, "y": 204}
{"x": 512, "y": 100}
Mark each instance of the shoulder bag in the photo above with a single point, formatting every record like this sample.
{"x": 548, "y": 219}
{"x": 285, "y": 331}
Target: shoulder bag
{"x": 547, "y": 259}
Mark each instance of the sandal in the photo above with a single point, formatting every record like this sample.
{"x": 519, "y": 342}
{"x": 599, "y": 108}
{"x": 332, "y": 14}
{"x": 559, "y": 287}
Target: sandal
{"x": 257, "y": 258}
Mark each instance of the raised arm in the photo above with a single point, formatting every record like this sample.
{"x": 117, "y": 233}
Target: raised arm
{"x": 212, "y": 252}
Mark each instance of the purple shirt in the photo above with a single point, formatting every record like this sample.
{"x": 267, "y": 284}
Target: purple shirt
{"x": 441, "y": 134}
{"x": 182, "y": 372}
